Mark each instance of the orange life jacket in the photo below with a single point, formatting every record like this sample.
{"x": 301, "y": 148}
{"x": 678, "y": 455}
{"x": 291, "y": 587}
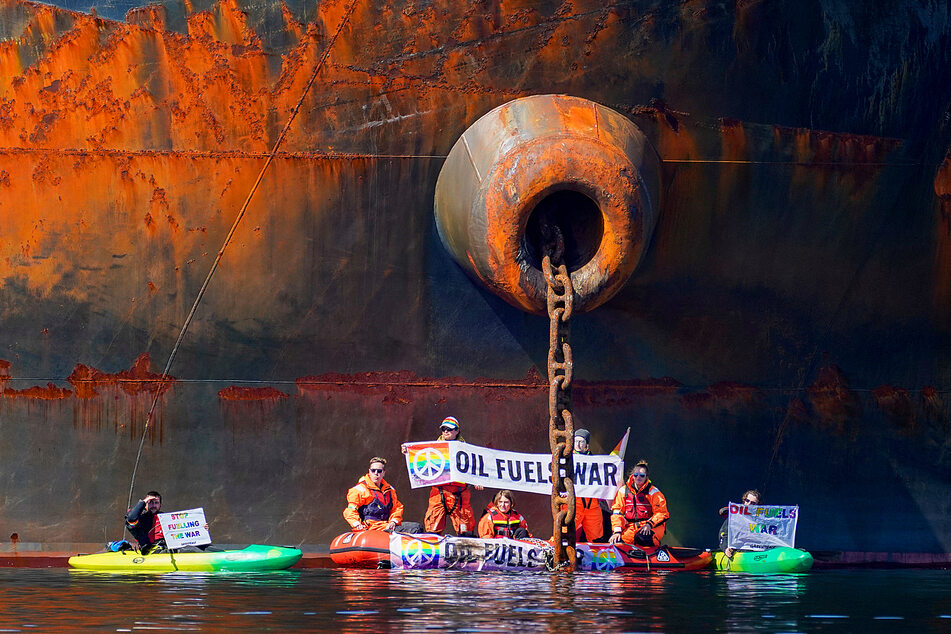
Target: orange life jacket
{"x": 505, "y": 525}
{"x": 379, "y": 508}
{"x": 637, "y": 504}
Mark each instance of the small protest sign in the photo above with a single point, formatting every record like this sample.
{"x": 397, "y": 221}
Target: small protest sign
{"x": 185, "y": 528}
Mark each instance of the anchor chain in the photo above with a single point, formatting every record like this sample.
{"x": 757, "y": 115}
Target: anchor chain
{"x": 560, "y": 423}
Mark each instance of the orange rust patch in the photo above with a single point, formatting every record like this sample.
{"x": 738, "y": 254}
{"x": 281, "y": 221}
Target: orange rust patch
{"x": 133, "y": 381}
{"x": 48, "y": 393}
{"x": 933, "y": 406}
{"x": 148, "y": 17}
{"x": 734, "y": 140}
{"x": 4, "y": 372}
{"x": 620, "y": 393}
{"x": 832, "y": 400}
{"x": 725, "y": 395}
{"x": 236, "y": 393}
{"x": 404, "y": 387}
{"x": 897, "y": 405}
{"x": 820, "y": 146}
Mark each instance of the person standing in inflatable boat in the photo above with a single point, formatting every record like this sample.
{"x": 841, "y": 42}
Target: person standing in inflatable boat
{"x": 372, "y": 503}
{"x": 451, "y": 499}
{"x": 589, "y": 524}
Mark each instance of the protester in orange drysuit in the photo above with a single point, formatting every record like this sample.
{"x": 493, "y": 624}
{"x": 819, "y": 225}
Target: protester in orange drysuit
{"x": 372, "y": 503}
{"x": 450, "y": 499}
{"x": 501, "y": 520}
{"x": 589, "y": 525}
{"x": 639, "y": 513}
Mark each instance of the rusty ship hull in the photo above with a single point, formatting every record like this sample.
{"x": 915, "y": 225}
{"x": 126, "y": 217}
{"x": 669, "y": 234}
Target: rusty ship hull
{"x": 787, "y": 327}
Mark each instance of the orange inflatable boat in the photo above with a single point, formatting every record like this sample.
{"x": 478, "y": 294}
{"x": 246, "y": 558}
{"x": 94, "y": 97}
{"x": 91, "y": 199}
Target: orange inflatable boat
{"x": 378, "y": 549}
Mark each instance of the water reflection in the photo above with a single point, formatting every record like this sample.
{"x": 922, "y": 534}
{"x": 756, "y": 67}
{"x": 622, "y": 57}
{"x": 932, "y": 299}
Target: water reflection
{"x": 441, "y": 600}
{"x": 761, "y": 599}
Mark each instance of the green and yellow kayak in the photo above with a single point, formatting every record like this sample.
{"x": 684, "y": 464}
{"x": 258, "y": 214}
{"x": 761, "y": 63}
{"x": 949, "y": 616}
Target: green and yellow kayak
{"x": 252, "y": 558}
{"x": 773, "y": 560}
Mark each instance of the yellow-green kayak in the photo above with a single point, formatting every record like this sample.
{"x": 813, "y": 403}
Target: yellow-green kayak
{"x": 781, "y": 559}
{"x": 254, "y": 557}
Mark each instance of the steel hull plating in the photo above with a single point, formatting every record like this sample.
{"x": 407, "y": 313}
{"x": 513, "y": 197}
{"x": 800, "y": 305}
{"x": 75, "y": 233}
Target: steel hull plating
{"x": 787, "y": 327}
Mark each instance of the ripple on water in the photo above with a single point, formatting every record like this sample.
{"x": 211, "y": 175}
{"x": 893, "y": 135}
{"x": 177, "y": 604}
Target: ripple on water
{"x": 417, "y": 601}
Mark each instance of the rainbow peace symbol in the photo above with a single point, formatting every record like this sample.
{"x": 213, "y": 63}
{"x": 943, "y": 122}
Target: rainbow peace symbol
{"x": 418, "y": 553}
{"x": 429, "y": 464}
{"x": 605, "y": 559}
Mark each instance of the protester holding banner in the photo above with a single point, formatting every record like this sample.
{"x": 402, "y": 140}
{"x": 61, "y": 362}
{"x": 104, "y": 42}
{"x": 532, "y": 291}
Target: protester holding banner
{"x": 502, "y": 520}
{"x": 639, "y": 513}
{"x": 372, "y": 503}
{"x": 755, "y": 527}
{"x": 589, "y": 524}
{"x": 451, "y": 499}
{"x": 143, "y": 522}
{"x": 750, "y": 497}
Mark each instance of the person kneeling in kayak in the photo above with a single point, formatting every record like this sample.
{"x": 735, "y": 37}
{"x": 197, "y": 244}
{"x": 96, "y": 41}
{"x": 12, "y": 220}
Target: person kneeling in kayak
{"x": 750, "y": 497}
{"x": 502, "y": 520}
{"x": 639, "y": 513}
{"x": 372, "y": 504}
{"x": 143, "y": 522}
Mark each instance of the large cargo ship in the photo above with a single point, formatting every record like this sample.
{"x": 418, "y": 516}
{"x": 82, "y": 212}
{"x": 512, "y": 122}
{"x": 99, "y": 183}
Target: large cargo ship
{"x": 786, "y": 326}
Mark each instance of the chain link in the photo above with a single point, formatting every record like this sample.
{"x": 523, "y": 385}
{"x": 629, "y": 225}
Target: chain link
{"x": 561, "y": 425}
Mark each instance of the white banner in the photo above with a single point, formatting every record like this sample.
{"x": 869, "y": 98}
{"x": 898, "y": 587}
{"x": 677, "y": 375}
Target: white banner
{"x": 185, "y": 528}
{"x": 760, "y": 527}
{"x": 432, "y": 463}
{"x": 466, "y": 553}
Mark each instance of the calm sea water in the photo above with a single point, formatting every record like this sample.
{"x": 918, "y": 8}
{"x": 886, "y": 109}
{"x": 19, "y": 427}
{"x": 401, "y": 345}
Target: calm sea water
{"x": 434, "y": 601}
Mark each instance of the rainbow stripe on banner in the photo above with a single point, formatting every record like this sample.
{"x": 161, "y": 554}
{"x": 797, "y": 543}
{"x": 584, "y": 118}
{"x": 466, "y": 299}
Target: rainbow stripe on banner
{"x": 467, "y": 553}
{"x": 755, "y": 527}
{"x": 441, "y": 462}
{"x": 429, "y": 464}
